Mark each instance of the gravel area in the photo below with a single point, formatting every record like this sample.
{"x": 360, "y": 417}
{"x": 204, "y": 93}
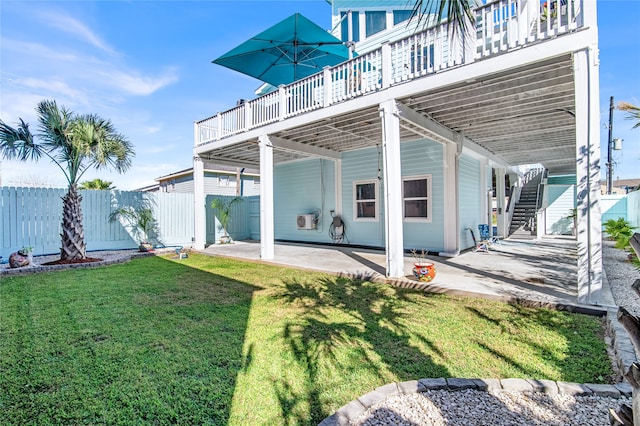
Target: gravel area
{"x": 106, "y": 255}
{"x": 495, "y": 408}
{"x": 479, "y": 408}
{"x": 621, "y": 274}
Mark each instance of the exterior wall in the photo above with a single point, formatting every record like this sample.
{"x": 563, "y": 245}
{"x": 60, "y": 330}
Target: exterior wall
{"x": 561, "y": 199}
{"x": 300, "y": 192}
{"x": 303, "y": 187}
{"x": 426, "y": 158}
{"x": 362, "y": 165}
{"x": 469, "y": 199}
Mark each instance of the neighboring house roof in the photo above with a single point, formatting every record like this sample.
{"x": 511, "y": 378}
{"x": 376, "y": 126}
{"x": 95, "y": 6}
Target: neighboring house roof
{"x": 218, "y": 169}
{"x": 149, "y": 188}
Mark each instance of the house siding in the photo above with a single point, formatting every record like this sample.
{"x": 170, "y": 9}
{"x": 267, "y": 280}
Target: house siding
{"x": 184, "y": 184}
{"x": 422, "y": 158}
{"x": 304, "y": 187}
{"x": 362, "y": 165}
{"x": 469, "y": 199}
{"x": 561, "y": 199}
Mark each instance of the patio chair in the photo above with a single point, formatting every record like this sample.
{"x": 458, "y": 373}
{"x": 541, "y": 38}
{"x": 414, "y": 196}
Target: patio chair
{"x": 481, "y": 246}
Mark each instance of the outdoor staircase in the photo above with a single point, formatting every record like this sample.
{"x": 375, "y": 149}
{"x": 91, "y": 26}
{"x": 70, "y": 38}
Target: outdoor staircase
{"x": 523, "y": 222}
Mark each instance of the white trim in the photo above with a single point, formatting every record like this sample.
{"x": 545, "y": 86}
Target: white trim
{"x": 376, "y": 200}
{"x": 429, "y": 218}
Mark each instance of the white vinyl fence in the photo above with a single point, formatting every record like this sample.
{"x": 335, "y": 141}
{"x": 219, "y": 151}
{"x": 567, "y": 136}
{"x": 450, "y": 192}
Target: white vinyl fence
{"x": 32, "y": 217}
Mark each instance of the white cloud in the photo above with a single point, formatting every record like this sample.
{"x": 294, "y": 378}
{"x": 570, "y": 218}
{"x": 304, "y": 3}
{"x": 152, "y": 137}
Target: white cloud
{"x": 74, "y": 27}
{"x": 136, "y": 84}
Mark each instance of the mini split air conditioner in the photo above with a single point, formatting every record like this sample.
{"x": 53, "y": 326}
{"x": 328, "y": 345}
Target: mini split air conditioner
{"x": 306, "y": 221}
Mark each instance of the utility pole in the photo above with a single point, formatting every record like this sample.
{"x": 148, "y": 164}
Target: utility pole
{"x": 609, "y": 148}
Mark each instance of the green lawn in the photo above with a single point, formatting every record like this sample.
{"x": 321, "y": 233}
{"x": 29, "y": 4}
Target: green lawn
{"x": 217, "y": 341}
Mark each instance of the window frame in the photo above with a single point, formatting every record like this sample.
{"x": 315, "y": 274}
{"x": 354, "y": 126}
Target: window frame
{"x": 429, "y": 199}
{"x": 376, "y": 200}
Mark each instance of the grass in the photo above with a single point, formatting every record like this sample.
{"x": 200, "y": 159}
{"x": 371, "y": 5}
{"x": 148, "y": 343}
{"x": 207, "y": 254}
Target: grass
{"x": 217, "y": 341}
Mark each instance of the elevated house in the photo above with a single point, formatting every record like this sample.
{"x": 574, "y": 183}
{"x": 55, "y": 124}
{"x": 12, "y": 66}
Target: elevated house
{"x": 404, "y": 145}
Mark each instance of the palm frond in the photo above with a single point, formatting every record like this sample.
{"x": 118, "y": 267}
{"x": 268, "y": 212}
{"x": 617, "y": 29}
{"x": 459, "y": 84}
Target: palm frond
{"x": 633, "y": 112}
{"x": 18, "y": 143}
{"x": 456, "y": 12}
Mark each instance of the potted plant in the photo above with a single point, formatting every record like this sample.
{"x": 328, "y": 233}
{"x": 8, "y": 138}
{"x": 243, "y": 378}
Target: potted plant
{"x": 423, "y": 270}
{"x": 224, "y": 214}
{"x": 22, "y": 257}
{"x": 140, "y": 221}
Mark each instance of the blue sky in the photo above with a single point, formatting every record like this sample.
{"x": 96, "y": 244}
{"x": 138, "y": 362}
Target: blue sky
{"x": 146, "y": 65}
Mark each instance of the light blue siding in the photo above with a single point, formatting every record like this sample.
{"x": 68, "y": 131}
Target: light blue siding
{"x": 561, "y": 200}
{"x": 469, "y": 199}
{"x": 422, "y": 158}
{"x": 363, "y": 164}
{"x": 304, "y": 187}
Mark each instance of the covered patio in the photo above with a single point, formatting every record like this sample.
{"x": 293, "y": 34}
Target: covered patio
{"x": 500, "y": 101}
{"x": 541, "y": 272}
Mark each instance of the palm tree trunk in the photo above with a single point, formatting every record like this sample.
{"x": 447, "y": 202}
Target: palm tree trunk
{"x": 73, "y": 246}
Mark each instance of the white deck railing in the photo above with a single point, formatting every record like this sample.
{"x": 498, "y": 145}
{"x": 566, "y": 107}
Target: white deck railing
{"x": 501, "y": 25}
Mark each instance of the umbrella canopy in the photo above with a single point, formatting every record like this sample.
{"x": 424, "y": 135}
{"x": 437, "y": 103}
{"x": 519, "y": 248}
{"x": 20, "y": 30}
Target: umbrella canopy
{"x": 288, "y": 51}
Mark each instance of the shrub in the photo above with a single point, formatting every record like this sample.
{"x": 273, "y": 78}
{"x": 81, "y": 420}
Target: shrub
{"x": 617, "y": 228}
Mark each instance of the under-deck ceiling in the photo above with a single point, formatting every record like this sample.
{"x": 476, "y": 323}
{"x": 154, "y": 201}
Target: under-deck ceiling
{"x": 523, "y": 116}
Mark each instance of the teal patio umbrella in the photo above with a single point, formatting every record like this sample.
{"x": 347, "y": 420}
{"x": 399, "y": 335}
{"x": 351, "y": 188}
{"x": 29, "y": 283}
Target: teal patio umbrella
{"x": 286, "y": 52}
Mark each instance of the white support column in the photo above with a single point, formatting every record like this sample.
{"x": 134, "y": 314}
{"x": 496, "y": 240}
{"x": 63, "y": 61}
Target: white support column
{"x": 393, "y": 188}
{"x": 450, "y": 190}
{"x": 267, "y": 246}
{"x": 199, "y": 200}
{"x": 500, "y": 202}
{"x": 589, "y": 233}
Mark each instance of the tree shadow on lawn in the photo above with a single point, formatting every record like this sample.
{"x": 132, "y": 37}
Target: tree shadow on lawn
{"x": 148, "y": 341}
{"x": 350, "y": 334}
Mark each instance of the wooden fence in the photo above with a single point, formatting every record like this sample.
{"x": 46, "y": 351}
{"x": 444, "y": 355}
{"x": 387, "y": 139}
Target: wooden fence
{"x": 32, "y": 217}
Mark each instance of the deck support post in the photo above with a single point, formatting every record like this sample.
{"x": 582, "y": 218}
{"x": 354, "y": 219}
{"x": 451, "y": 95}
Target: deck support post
{"x": 392, "y": 189}
{"x": 267, "y": 245}
{"x": 589, "y": 232}
{"x": 199, "y": 201}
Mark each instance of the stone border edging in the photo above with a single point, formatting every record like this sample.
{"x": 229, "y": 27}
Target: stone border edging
{"x": 357, "y": 407}
{"x": 51, "y": 268}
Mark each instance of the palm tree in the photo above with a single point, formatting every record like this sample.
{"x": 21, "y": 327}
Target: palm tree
{"x": 96, "y": 184}
{"x": 633, "y": 112}
{"x": 74, "y": 143}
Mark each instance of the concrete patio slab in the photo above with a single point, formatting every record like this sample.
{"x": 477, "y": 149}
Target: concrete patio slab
{"x": 542, "y": 271}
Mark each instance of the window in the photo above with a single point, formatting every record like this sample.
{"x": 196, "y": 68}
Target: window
{"x": 223, "y": 180}
{"x": 376, "y": 22}
{"x": 256, "y": 182}
{"x": 365, "y": 200}
{"x": 416, "y": 198}
{"x": 355, "y": 26}
{"x": 401, "y": 16}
